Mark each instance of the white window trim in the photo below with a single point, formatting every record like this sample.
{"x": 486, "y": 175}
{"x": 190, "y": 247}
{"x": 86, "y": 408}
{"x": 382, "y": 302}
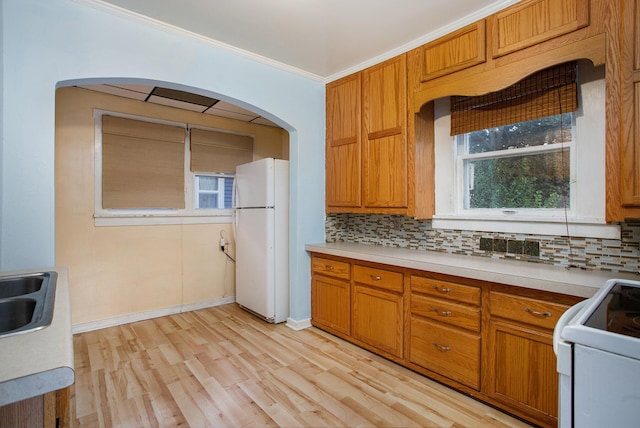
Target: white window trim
{"x": 586, "y": 218}
{"x": 142, "y": 217}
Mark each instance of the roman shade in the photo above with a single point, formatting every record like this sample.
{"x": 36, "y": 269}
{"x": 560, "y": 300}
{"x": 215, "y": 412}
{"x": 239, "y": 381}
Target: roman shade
{"x": 548, "y": 92}
{"x": 213, "y": 151}
{"x": 142, "y": 164}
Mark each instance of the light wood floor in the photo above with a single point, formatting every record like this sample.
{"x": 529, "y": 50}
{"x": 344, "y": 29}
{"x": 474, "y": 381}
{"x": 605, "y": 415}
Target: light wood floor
{"x": 223, "y": 367}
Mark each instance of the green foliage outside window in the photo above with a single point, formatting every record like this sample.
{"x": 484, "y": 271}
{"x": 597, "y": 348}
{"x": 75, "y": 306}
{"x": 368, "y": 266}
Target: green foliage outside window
{"x": 509, "y": 179}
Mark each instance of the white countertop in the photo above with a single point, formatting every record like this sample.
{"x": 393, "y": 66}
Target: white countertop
{"x": 539, "y": 276}
{"x": 41, "y": 361}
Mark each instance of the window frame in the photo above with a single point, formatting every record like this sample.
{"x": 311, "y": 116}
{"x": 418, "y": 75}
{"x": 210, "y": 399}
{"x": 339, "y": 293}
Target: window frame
{"x": 153, "y": 216}
{"x": 586, "y": 216}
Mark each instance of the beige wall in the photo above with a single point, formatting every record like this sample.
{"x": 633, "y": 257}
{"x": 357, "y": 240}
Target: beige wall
{"x": 117, "y": 271}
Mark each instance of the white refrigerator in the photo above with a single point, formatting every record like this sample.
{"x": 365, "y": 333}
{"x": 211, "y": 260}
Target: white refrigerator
{"x": 262, "y": 238}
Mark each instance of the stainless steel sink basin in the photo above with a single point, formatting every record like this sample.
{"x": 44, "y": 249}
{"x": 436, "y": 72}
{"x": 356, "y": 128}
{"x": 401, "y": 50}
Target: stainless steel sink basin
{"x": 12, "y": 287}
{"x": 26, "y": 302}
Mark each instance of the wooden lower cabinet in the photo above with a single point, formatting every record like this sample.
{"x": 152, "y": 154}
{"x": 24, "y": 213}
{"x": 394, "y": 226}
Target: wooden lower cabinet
{"x": 331, "y": 295}
{"x": 377, "y": 319}
{"x": 50, "y": 410}
{"x": 331, "y": 303}
{"x": 377, "y": 308}
{"x": 523, "y": 370}
{"x": 491, "y": 341}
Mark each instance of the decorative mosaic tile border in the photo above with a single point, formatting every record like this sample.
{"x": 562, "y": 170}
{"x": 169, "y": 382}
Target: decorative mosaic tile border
{"x": 405, "y": 232}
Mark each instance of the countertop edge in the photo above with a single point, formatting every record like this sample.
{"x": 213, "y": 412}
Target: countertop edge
{"x": 538, "y": 276}
{"x": 36, "y": 384}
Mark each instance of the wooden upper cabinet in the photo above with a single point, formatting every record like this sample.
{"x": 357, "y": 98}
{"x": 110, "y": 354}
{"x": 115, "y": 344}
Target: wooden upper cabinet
{"x": 456, "y": 51}
{"x": 534, "y": 21}
{"x": 343, "y": 150}
{"x": 630, "y": 94}
{"x": 384, "y": 101}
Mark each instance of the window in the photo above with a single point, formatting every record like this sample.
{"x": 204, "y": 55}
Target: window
{"x": 157, "y": 172}
{"x": 518, "y": 166}
{"x": 541, "y": 175}
{"x": 214, "y": 191}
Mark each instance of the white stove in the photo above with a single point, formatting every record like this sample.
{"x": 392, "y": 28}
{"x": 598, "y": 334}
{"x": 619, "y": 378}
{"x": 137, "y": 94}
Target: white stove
{"x": 597, "y": 343}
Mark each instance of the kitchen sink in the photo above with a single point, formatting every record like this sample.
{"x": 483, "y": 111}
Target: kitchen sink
{"x": 26, "y": 302}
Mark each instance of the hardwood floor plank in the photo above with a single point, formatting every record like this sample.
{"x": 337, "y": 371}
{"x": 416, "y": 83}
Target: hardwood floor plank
{"x": 224, "y": 367}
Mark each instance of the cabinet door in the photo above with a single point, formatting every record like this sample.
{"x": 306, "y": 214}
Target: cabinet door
{"x": 385, "y": 134}
{"x": 456, "y": 51}
{"x": 534, "y": 21}
{"x": 330, "y": 303}
{"x": 630, "y": 64}
{"x": 377, "y": 319}
{"x": 343, "y": 167}
{"x": 523, "y": 370}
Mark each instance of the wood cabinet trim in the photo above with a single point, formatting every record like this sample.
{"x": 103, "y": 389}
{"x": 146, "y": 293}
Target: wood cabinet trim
{"x": 480, "y": 80}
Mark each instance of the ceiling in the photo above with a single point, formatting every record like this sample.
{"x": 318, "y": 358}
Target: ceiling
{"x": 323, "y": 38}
{"x": 180, "y": 99}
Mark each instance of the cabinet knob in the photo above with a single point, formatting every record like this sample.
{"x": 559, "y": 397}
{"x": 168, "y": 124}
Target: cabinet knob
{"x": 441, "y": 347}
{"x": 537, "y": 313}
{"x": 443, "y": 313}
{"x": 443, "y": 290}
{"x": 375, "y": 277}
{"x": 328, "y": 267}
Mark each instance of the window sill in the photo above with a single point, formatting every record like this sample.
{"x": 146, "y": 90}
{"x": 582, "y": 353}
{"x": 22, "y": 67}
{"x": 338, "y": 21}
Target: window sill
{"x": 169, "y": 217}
{"x": 553, "y": 227}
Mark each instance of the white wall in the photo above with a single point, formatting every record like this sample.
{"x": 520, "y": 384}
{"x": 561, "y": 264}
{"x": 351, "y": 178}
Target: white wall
{"x": 50, "y": 43}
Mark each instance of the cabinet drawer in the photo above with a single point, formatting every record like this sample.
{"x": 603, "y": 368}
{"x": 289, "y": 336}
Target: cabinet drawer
{"x": 331, "y": 267}
{"x": 446, "y": 351}
{"x": 525, "y": 309}
{"x": 446, "y": 311}
{"x": 446, "y": 290}
{"x": 379, "y": 278}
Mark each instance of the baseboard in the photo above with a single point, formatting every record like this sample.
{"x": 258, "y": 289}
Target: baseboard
{"x": 141, "y": 316}
{"x": 298, "y": 325}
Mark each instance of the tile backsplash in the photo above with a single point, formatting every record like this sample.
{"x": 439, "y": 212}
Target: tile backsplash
{"x": 405, "y": 232}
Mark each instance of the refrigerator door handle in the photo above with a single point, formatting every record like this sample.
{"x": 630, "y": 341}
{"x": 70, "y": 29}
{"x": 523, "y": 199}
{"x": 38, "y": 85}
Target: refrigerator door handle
{"x": 234, "y": 217}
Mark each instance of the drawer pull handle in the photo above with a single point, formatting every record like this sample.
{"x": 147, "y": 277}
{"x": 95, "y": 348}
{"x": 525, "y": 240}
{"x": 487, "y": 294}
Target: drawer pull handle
{"x": 329, "y": 267}
{"x": 441, "y": 348}
{"x": 537, "y": 313}
{"x": 443, "y": 290}
{"x": 443, "y": 313}
{"x": 375, "y": 277}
